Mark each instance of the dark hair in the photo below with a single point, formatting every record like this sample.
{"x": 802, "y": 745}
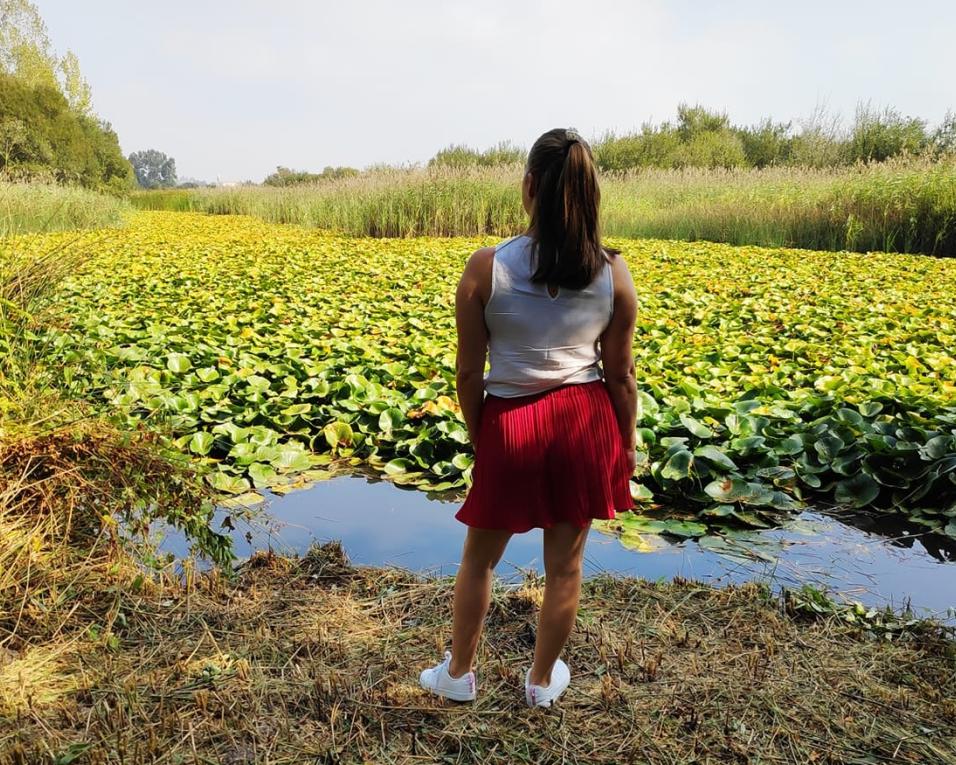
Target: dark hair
{"x": 564, "y": 214}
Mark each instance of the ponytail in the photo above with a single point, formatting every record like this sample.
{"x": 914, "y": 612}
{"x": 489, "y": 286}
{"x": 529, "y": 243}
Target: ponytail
{"x": 565, "y": 211}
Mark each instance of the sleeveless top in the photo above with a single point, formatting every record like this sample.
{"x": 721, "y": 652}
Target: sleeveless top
{"x": 537, "y": 342}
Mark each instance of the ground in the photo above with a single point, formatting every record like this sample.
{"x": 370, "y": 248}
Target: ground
{"x": 315, "y": 660}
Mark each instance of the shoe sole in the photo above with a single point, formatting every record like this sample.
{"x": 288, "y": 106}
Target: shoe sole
{"x": 453, "y": 695}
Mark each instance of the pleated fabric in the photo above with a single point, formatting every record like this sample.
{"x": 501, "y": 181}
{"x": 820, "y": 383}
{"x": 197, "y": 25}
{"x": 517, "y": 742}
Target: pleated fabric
{"x": 548, "y": 458}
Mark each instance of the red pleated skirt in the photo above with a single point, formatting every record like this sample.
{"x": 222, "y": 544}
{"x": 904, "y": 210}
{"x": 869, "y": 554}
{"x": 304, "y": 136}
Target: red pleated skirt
{"x": 548, "y": 458}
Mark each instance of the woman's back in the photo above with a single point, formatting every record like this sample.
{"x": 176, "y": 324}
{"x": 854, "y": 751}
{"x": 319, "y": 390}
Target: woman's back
{"x": 538, "y": 341}
{"x": 548, "y": 454}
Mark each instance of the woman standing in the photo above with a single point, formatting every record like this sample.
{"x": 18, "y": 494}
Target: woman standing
{"x": 554, "y": 437}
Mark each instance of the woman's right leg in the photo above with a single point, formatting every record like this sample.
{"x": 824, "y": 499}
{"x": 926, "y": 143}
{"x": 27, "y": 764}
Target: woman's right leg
{"x": 563, "y": 556}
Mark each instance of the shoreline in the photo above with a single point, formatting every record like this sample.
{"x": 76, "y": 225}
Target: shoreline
{"x": 315, "y": 659}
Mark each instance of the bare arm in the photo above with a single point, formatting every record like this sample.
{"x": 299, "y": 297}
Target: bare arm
{"x": 470, "y": 298}
{"x": 617, "y": 356}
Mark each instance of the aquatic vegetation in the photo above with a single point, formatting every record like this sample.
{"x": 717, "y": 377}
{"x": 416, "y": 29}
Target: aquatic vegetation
{"x": 767, "y": 376}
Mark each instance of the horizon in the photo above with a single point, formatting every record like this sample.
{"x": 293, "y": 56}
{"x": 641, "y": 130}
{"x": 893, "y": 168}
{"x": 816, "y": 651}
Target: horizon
{"x": 301, "y": 89}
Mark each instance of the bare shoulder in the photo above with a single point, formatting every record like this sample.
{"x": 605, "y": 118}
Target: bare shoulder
{"x": 477, "y": 274}
{"x": 623, "y": 284}
{"x": 482, "y": 258}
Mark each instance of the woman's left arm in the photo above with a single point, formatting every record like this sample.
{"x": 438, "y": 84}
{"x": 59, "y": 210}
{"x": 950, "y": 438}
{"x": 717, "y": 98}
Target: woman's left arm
{"x": 470, "y": 297}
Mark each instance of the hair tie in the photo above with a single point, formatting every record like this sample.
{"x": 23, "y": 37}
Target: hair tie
{"x": 572, "y": 136}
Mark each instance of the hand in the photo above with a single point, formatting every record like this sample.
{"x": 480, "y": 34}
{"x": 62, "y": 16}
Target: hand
{"x": 631, "y": 456}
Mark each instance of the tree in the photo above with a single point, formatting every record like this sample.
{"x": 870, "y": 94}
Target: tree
{"x": 283, "y": 176}
{"x": 26, "y": 53}
{"x": 694, "y": 120}
{"x": 944, "y": 137}
{"x": 154, "y": 170}
{"x": 765, "y": 144}
{"x": 75, "y": 87}
{"x": 459, "y": 156}
{"x": 41, "y": 136}
{"x": 820, "y": 142}
{"x": 879, "y": 135}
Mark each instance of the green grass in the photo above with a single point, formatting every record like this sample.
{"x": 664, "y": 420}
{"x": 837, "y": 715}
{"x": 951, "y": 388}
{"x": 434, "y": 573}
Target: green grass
{"x": 898, "y": 206}
{"x": 40, "y": 207}
{"x": 167, "y": 200}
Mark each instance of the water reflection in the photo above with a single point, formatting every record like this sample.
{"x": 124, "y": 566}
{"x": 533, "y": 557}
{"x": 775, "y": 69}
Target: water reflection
{"x": 379, "y": 523}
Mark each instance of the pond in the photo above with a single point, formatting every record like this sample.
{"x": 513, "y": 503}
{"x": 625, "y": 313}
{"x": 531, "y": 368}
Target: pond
{"x": 380, "y": 523}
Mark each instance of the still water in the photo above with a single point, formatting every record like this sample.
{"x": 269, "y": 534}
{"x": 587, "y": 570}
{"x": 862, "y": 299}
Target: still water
{"x": 379, "y": 523}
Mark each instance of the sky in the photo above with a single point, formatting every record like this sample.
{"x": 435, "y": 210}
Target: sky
{"x": 234, "y": 88}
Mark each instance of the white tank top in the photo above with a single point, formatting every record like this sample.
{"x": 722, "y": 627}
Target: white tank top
{"x": 537, "y": 342}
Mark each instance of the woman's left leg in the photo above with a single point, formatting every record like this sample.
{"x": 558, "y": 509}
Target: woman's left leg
{"x": 483, "y": 549}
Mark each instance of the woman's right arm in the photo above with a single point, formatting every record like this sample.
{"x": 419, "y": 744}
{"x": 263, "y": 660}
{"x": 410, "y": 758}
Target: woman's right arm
{"x": 617, "y": 356}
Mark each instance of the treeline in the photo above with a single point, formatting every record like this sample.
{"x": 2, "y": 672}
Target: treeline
{"x": 48, "y": 130}
{"x": 42, "y": 137}
{"x": 459, "y": 156}
{"x": 703, "y": 138}
{"x": 707, "y": 139}
{"x": 283, "y": 176}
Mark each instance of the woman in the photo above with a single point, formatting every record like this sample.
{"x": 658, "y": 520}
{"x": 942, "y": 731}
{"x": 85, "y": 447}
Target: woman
{"x": 555, "y": 436}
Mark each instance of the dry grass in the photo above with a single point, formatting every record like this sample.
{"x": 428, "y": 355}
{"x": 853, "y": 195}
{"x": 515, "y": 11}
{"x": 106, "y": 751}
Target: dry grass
{"x": 314, "y": 660}
{"x": 64, "y": 561}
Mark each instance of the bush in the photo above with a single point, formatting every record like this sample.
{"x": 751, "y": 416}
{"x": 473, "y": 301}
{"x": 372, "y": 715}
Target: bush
{"x": 652, "y": 147}
{"x": 459, "y": 157}
{"x": 40, "y": 134}
{"x": 283, "y": 176}
{"x": 879, "y": 135}
{"x": 712, "y": 149}
{"x": 766, "y": 144}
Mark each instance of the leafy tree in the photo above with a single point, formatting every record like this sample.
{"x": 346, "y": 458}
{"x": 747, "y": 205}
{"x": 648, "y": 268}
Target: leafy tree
{"x": 652, "y": 147}
{"x": 153, "y": 169}
{"x": 711, "y": 149}
{"x": 699, "y": 139}
{"x": 74, "y": 85}
{"x": 504, "y": 153}
{"x": 879, "y": 135}
{"x": 19, "y": 144}
{"x": 283, "y": 176}
{"x": 456, "y": 156}
{"x": 40, "y": 135}
{"x": 695, "y": 120}
{"x": 26, "y": 53}
{"x": 47, "y": 125}
{"x": 461, "y": 156}
{"x": 820, "y": 142}
{"x": 765, "y": 144}
{"x": 944, "y": 137}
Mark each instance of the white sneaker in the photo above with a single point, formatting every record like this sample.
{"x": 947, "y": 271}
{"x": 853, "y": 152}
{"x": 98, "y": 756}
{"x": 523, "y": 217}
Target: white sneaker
{"x": 438, "y": 681}
{"x": 546, "y": 695}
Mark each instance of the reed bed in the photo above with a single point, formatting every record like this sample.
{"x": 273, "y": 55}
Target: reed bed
{"x": 315, "y": 660}
{"x": 903, "y": 205}
{"x": 27, "y": 207}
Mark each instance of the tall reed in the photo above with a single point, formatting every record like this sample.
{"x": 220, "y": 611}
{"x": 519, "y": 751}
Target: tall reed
{"x": 32, "y": 207}
{"x": 901, "y": 205}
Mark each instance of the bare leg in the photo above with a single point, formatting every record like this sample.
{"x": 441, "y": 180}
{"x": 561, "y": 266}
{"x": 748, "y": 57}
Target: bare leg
{"x": 563, "y": 553}
{"x": 483, "y": 549}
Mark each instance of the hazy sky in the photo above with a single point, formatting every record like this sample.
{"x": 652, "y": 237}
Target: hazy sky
{"x": 235, "y": 87}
